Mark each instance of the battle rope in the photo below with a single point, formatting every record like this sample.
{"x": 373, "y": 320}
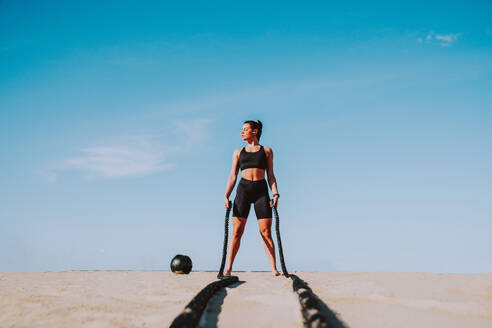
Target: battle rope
{"x": 315, "y": 313}
{"x": 190, "y": 316}
{"x": 226, "y": 235}
{"x": 279, "y": 241}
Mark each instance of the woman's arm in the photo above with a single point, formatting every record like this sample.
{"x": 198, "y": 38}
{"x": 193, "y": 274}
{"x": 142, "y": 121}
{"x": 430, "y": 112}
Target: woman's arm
{"x": 231, "y": 181}
{"x": 270, "y": 175}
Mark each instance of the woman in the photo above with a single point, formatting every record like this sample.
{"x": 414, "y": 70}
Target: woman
{"x": 253, "y": 160}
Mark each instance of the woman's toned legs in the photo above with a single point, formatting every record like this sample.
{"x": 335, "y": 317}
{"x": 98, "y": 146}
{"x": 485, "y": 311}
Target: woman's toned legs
{"x": 265, "y": 226}
{"x": 238, "y": 225}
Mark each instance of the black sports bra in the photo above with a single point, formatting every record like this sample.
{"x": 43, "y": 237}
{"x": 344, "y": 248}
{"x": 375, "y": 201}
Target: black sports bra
{"x": 255, "y": 159}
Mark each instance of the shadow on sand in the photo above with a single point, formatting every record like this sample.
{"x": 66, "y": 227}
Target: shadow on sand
{"x": 210, "y": 316}
{"x": 315, "y": 312}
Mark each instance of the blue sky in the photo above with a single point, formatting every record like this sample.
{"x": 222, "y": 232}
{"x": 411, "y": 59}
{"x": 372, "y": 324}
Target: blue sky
{"x": 118, "y": 121}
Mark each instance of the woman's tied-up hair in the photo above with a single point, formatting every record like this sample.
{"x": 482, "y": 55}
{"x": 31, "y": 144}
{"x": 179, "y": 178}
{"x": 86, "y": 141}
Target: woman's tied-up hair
{"x": 256, "y": 125}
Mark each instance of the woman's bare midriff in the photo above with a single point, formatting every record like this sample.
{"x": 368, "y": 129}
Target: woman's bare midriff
{"x": 253, "y": 174}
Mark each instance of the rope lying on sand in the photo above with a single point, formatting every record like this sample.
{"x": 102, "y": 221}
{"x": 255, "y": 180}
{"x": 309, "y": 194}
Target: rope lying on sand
{"x": 190, "y": 316}
{"x": 314, "y": 311}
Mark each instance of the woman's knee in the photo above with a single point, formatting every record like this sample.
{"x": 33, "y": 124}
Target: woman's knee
{"x": 266, "y": 231}
{"x": 237, "y": 233}
{"x": 238, "y": 227}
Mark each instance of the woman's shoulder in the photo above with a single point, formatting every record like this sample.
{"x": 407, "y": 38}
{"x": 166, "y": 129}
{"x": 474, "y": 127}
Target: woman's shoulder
{"x": 237, "y": 151}
{"x": 268, "y": 151}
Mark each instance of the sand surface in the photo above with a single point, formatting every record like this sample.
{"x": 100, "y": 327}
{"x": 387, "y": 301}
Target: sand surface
{"x": 245, "y": 303}
{"x": 154, "y": 298}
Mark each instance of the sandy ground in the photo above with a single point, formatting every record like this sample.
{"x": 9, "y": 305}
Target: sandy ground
{"x": 154, "y": 298}
{"x": 245, "y": 304}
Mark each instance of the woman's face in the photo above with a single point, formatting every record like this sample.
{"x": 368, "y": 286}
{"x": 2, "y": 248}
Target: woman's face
{"x": 247, "y": 132}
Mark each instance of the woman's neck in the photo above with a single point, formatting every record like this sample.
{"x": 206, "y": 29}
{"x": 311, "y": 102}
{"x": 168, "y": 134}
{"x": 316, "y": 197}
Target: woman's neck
{"x": 252, "y": 143}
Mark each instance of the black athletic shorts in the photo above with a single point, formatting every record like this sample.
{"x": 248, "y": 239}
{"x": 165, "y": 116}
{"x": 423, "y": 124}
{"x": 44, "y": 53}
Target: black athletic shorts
{"x": 249, "y": 191}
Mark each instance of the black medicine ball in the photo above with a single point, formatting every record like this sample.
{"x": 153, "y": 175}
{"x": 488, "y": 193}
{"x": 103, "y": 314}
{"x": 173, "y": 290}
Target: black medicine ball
{"x": 181, "y": 264}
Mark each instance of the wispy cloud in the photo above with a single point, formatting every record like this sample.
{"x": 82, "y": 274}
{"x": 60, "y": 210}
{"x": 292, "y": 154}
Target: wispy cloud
{"x": 447, "y": 39}
{"x": 192, "y": 133}
{"x": 444, "y": 40}
{"x": 136, "y": 155}
{"x": 114, "y": 161}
